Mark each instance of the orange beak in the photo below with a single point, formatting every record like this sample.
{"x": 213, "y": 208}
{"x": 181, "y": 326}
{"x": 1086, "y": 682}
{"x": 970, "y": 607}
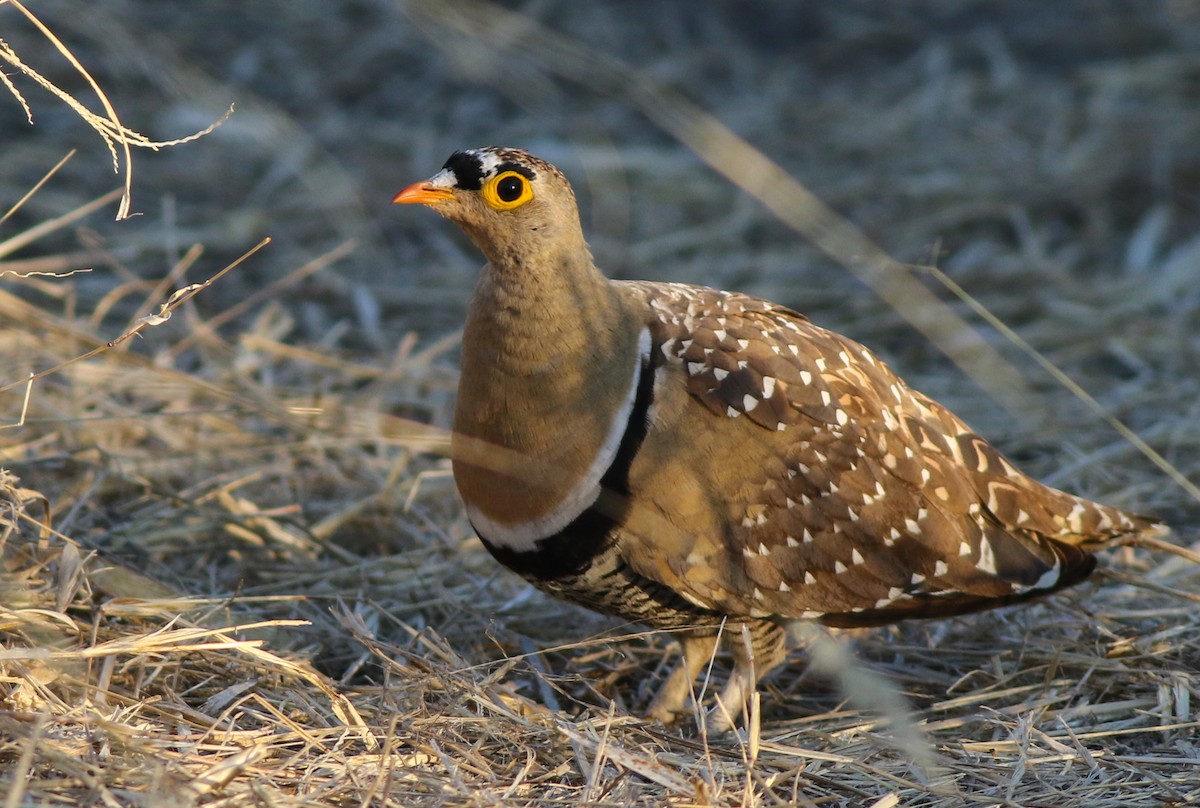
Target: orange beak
{"x": 422, "y": 193}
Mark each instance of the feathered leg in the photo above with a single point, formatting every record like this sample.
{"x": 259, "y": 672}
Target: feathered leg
{"x": 698, "y": 649}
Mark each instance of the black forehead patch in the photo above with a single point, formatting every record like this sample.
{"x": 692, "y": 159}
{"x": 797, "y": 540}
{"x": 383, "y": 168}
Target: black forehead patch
{"x": 468, "y": 165}
{"x": 468, "y": 171}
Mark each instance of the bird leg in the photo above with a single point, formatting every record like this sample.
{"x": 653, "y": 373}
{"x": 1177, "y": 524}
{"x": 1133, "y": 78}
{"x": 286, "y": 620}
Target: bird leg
{"x": 697, "y": 649}
{"x": 757, "y": 650}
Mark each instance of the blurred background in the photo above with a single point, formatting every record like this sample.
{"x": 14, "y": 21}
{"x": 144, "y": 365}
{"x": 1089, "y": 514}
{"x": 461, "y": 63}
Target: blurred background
{"x": 1046, "y": 157}
{"x": 264, "y": 454}
{"x": 1051, "y": 151}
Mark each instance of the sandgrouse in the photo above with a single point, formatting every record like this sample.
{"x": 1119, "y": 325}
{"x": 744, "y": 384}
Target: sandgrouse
{"x": 713, "y": 464}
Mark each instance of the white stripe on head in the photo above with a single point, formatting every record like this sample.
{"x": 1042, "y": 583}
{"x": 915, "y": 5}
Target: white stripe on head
{"x": 523, "y": 537}
{"x": 488, "y": 161}
{"x": 446, "y": 178}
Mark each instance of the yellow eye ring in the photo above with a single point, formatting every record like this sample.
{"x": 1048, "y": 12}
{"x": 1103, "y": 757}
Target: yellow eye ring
{"x": 507, "y": 190}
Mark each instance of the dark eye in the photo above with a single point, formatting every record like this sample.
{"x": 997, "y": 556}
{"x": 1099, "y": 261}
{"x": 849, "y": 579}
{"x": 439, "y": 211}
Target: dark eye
{"x": 510, "y": 189}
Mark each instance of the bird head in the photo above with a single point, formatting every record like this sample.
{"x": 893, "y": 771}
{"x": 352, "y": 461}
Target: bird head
{"x": 514, "y": 206}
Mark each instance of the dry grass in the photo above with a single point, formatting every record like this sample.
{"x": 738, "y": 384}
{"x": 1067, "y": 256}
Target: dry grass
{"x": 235, "y": 570}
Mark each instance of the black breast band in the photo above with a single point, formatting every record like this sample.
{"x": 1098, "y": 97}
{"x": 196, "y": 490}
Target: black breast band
{"x": 570, "y": 551}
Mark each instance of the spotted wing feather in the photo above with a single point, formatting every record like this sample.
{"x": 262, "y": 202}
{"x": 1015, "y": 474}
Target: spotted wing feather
{"x": 878, "y": 502}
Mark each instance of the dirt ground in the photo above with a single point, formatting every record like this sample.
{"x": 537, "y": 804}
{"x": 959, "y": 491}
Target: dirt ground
{"x": 235, "y": 570}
